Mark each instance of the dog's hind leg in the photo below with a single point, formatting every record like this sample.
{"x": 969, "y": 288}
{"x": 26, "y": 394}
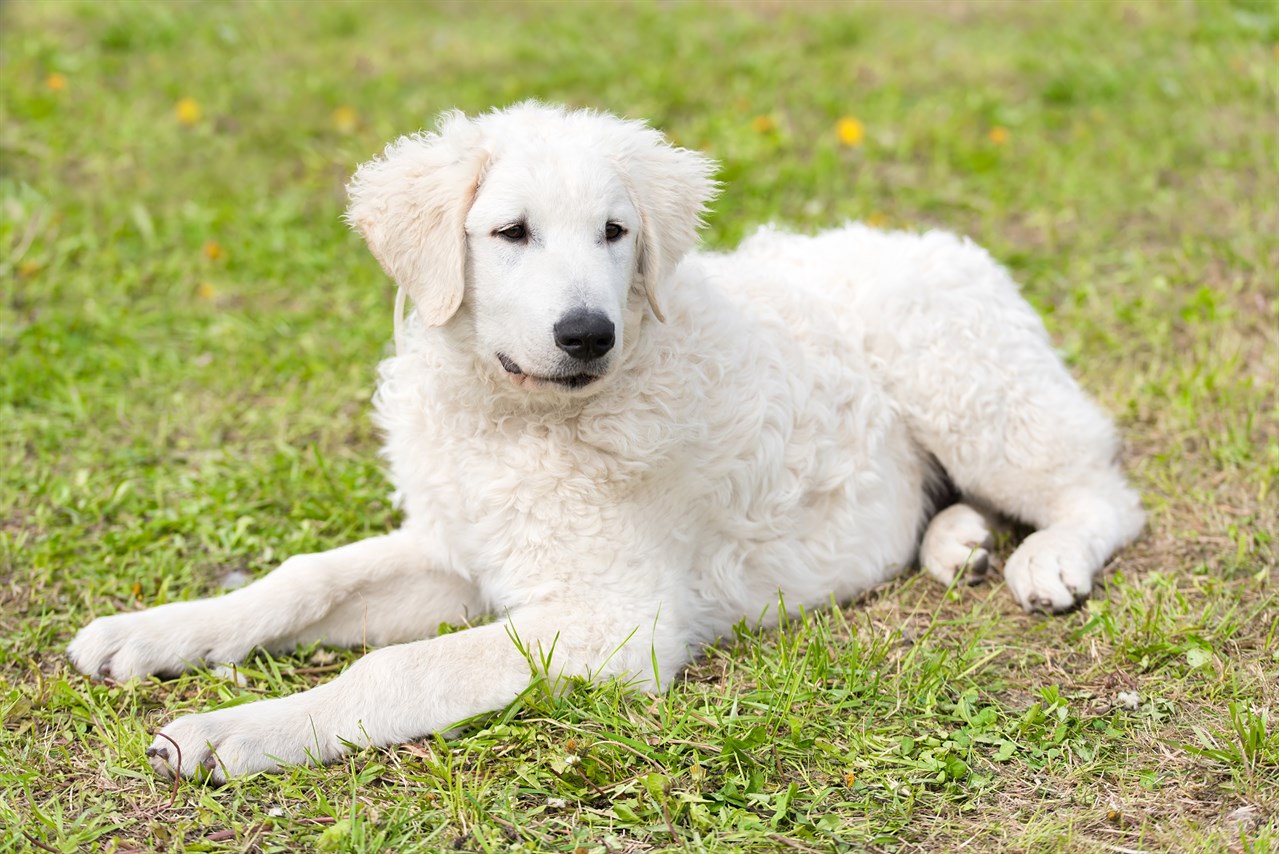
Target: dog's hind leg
{"x": 975, "y": 376}
{"x": 377, "y": 591}
{"x": 1059, "y": 480}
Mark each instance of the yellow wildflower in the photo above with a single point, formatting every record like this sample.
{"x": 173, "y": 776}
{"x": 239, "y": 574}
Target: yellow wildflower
{"x": 849, "y": 779}
{"x": 346, "y": 119}
{"x": 998, "y": 135}
{"x": 763, "y": 124}
{"x": 877, "y": 220}
{"x": 213, "y": 250}
{"x": 28, "y": 268}
{"x": 188, "y": 111}
{"x": 55, "y": 82}
{"x": 850, "y": 131}
{"x": 206, "y": 292}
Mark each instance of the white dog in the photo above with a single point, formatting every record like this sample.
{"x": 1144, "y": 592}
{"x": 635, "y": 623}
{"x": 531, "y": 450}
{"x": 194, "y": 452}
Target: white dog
{"x": 621, "y": 447}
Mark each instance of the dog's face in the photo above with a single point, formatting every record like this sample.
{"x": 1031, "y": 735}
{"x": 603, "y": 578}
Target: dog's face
{"x": 552, "y": 260}
{"x": 542, "y": 231}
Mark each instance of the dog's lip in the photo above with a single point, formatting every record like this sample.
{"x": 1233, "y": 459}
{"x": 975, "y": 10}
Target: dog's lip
{"x": 509, "y": 364}
{"x": 568, "y": 381}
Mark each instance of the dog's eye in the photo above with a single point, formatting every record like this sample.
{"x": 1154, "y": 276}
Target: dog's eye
{"x": 514, "y": 233}
{"x": 613, "y": 232}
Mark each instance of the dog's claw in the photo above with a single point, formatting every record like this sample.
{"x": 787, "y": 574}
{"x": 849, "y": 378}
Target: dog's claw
{"x": 978, "y": 567}
{"x": 1040, "y": 605}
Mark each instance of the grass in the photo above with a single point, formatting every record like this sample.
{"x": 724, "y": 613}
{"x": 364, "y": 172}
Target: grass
{"x": 189, "y": 338}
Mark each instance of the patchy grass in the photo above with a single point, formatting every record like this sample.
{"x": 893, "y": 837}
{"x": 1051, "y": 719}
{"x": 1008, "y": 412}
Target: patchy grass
{"x": 189, "y": 337}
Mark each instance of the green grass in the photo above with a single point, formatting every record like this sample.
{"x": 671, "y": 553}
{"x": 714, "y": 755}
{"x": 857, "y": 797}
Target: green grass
{"x": 189, "y": 337}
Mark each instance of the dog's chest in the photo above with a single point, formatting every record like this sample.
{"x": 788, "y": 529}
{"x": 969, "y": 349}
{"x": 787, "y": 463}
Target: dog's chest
{"x": 517, "y": 489}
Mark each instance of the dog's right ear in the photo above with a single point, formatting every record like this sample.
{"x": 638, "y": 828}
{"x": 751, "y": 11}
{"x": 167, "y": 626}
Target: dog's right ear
{"x": 410, "y": 205}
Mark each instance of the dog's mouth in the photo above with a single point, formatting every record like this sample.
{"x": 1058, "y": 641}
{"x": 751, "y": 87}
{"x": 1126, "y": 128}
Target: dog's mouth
{"x": 567, "y": 380}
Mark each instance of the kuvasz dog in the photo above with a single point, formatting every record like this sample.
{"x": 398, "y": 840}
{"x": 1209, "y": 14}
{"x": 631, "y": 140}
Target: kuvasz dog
{"x": 620, "y": 447}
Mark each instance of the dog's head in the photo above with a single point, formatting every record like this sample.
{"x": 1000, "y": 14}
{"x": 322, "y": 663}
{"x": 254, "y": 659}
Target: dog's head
{"x": 544, "y": 228}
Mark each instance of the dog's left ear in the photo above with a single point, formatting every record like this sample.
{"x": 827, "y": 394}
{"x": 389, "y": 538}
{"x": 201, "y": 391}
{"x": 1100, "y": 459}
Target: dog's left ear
{"x": 410, "y": 205}
{"x": 670, "y": 187}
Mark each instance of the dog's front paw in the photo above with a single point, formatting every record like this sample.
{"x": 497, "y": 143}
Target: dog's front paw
{"x": 1051, "y": 571}
{"x": 164, "y": 641}
{"x": 261, "y": 736}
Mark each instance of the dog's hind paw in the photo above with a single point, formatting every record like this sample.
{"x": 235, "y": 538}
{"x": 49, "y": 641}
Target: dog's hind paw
{"x": 958, "y": 540}
{"x": 1051, "y": 571}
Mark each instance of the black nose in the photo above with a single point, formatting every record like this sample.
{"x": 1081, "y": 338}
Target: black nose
{"x": 584, "y": 335}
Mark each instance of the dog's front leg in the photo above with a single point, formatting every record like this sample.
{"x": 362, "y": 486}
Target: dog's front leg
{"x": 380, "y": 590}
{"x": 399, "y": 693}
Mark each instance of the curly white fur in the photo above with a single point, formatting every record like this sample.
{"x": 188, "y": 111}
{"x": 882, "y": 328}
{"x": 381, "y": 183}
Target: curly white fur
{"x": 770, "y": 424}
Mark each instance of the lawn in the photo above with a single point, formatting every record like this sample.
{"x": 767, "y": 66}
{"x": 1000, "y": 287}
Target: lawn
{"x": 188, "y": 341}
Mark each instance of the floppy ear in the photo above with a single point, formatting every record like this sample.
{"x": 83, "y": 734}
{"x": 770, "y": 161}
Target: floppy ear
{"x": 670, "y": 187}
{"x": 410, "y": 205}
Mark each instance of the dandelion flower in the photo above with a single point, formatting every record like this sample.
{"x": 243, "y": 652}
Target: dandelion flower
{"x": 346, "y": 119}
{"x": 213, "y": 250}
{"x": 55, "y": 82}
{"x": 188, "y": 111}
{"x": 998, "y": 135}
{"x": 850, "y": 131}
{"x": 206, "y": 292}
{"x": 763, "y": 124}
